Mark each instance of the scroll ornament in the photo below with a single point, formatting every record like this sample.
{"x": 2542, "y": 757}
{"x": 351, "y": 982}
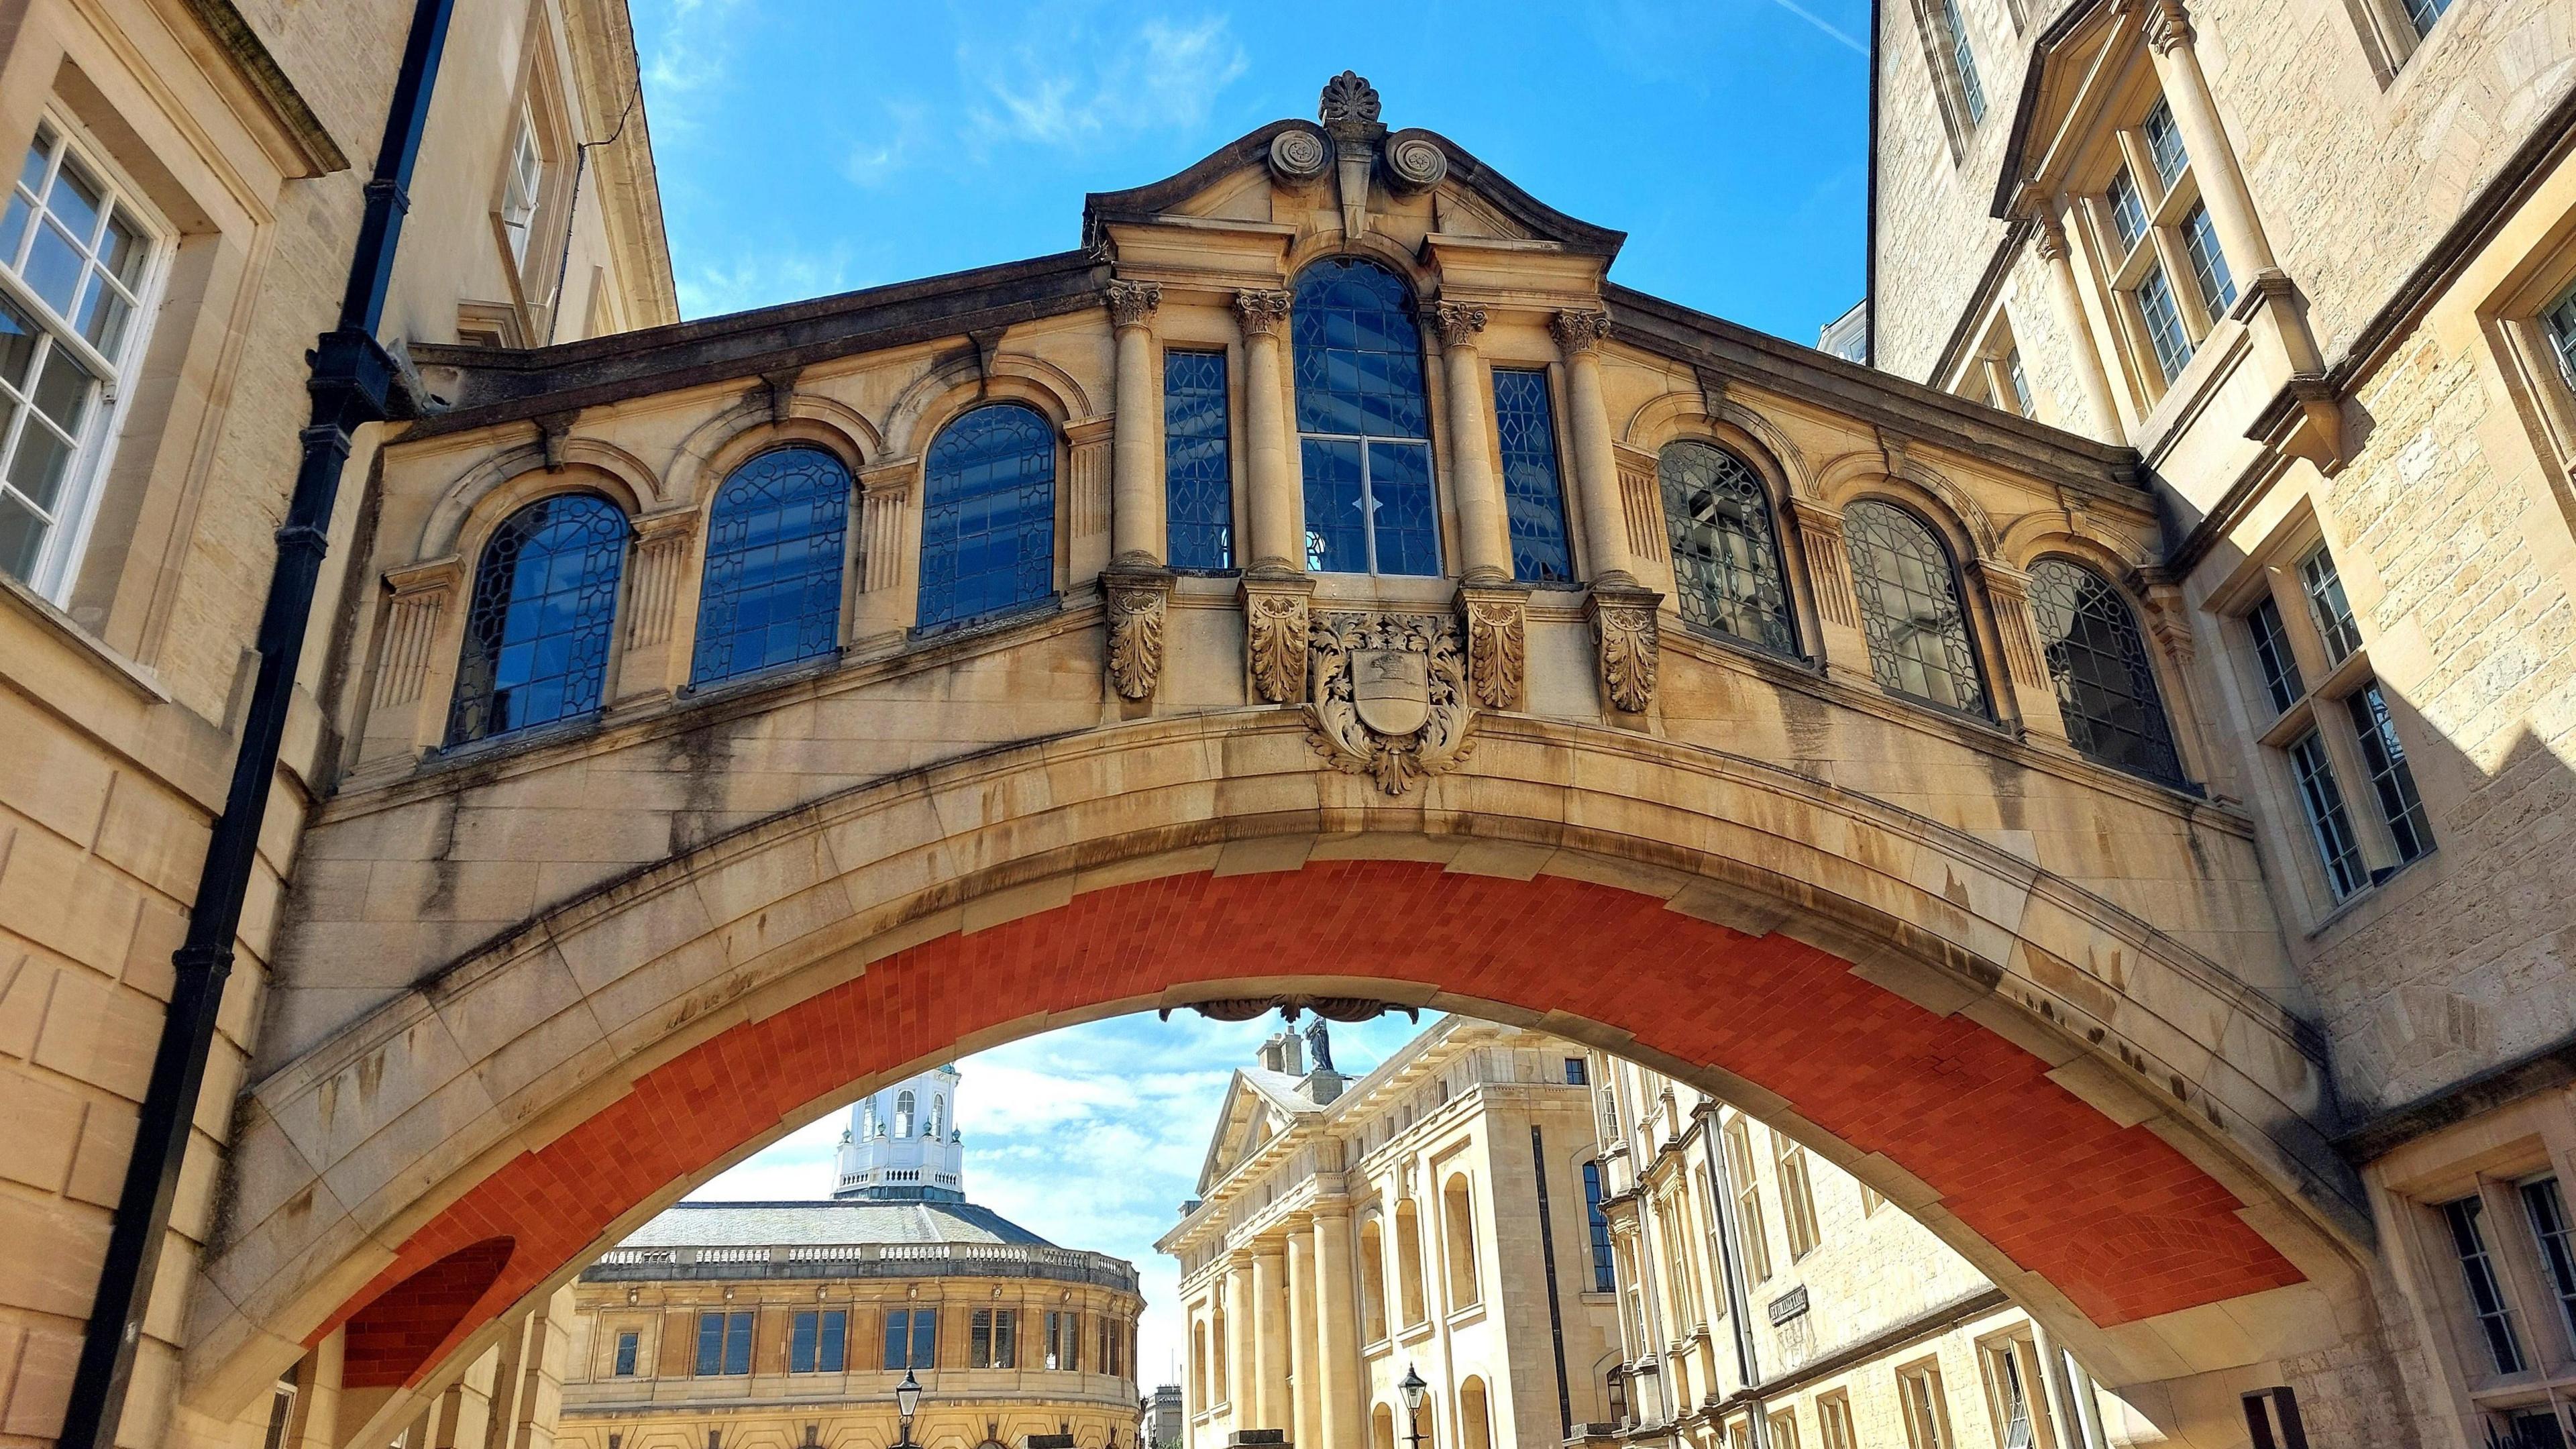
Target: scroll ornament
{"x": 1275, "y": 638}
{"x": 1135, "y": 637}
{"x": 1390, "y": 696}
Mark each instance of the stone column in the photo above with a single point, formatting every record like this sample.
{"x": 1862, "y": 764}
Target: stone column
{"x": 2032, "y": 693}
{"x": 1240, "y": 1312}
{"x": 2195, "y": 114}
{"x": 418, "y": 660}
{"x": 1269, "y": 1337}
{"x": 1596, "y": 467}
{"x": 2068, "y": 302}
{"x": 1303, "y": 1349}
{"x": 657, "y": 591}
{"x": 1841, "y": 642}
{"x": 1342, "y": 1420}
{"x": 889, "y": 545}
{"x": 1484, "y": 530}
{"x": 1136, "y": 528}
{"x": 1272, "y": 485}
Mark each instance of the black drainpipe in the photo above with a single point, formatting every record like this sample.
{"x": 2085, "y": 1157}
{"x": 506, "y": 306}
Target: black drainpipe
{"x": 353, "y": 383}
{"x": 1869, "y": 233}
{"x": 1730, "y": 1267}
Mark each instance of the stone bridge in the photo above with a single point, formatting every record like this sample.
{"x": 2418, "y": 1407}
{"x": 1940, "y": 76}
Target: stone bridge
{"x": 1324, "y": 583}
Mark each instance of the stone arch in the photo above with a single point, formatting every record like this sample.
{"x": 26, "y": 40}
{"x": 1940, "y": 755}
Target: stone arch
{"x": 2028, "y": 539}
{"x": 1672, "y": 415}
{"x": 1316, "y": 246}
{"x": 392, "y": 1334}
{"x": 962, "y": 382}
{"x": 552, "y": 1082}
{"x": 723, "y": 443}
{"x": 510, "y": 479}
{"x": 1962, "y": 521}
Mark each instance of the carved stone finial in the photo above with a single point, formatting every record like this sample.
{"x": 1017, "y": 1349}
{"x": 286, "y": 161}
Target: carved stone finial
{"x": 1132, "y": 304}
{"x": 2168, "y": 25}
{"x": 1348, "y": 98}
{"x": 1459, "y": 322}
{"x": 1259, "y": 312}
{"x": 1579, "y": 332}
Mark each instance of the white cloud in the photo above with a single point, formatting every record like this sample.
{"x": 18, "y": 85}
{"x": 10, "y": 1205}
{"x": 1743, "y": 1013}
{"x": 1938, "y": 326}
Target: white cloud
{"x": 692, "y": 56}
{"x": 1063, "y": 83}
{"x": 764, "y": 274}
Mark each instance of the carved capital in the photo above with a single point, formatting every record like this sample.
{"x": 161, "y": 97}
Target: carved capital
{"x": 1274, "y": 636}
{"x": 1579, "y": 334}
{"x": 1132, "y": 304}
{"x": 1497, "y": 621}
{"x": 1459, "y": 322}
{"x": 2168, "y": 25}
{"x": 1629, "y": 641}
{"x": 1260, "y": 313}
{"x": 2052, "y": 240}
{"x": 1136, "y": 599}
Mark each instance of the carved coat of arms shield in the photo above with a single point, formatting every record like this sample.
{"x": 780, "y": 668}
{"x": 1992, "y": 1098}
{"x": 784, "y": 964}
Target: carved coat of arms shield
{"x": 1391, "y": 689}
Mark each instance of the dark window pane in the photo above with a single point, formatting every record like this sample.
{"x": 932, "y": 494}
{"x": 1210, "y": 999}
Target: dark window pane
{"x": 1598, "y": 1221}
{"x": 2466, "y": 1220}
{"x": 625, "y": 1355}
{"x": 988, "y": 516}
{"x": 1336, "y": 523}
{"x": 1198, "y": 505}
{"x": 898, "y": 1338}
{"x": 537, "y": 631}
{"x": 772, "y": 590}
{"x": 1726, "y": 554}
{"x": 711, "y": 1328}
{"x": 738, "y": 1344}
{"x": 1910, "y": 609}
{"x": 800, "y": 1344}
{"x": 1358, "y": 352}
{"x": 1400, "y": 502}
{"x": 2328, "y": 825}
{"x": 1533, "y": 494}
{"x": 830, "y": 1356}
{"x": 2272, "y": 653}
{"x": 2390, "y": 779}
{"x": 2106, "y": 689}
{"x": 925, "y": 1338}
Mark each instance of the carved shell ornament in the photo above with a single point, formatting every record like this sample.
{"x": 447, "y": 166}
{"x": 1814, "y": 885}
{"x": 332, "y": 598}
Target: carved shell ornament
{"x": 1298, "y": 154}
{"x": 1348, "y": 98}
{"x": 1388, "y": 696}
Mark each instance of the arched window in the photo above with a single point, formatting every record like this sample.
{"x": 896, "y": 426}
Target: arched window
{"x": 868, "y": 1118}
{"x": 1382, "y": 1428}
{"x": 988, "y": 516}
{"x": 938, "y": 1116}
{"x": 2106, "y": 689}
{"x": 1408, "y": 1253}
{"x": 1910, "y": 607}
{"x": 772, "y": 593}
{"x": 1475, "y": 1416}
{"x": 1363, "y": 422}
{"x": 1372, "y": 1282}
{"x": 536, "y": 634}
{"x": 903, "y": 1114}
{"x": 1458, "y": 1241}
{"x": 1218, "y": 1372}
{"x": 1726, "y": 551}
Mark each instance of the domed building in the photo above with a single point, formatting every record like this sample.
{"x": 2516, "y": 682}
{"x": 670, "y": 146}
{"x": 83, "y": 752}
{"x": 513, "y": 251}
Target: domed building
{"x": 784, "y": 1325}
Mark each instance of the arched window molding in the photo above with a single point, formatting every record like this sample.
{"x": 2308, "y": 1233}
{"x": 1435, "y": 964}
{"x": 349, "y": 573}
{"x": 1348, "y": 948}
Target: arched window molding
{"x": 1373, "y": 1324}
{"x": 988, "y": 516}
{"x": 541, "y": 618}
{"x": 903, "y": 1110}
{"x": 2106, "y": 683}
{"x": 1363, "y": 421}
{"x": 1408, "y": 1252}
{"x": 1729, "y": 573}
{"x": 777, "y": 542}
{"x": 1458, "y": 1242}
{"x": 1913, "y": 608}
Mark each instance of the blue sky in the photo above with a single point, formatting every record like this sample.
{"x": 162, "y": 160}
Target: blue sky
{"x": 813, "y": 146}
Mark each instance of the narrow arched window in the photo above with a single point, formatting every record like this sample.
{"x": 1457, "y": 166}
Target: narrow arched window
{"x": 938, "y": 1116}
{"x": 988, "y": 516}
{"x": 1726, "y": 550}
{"x": 1458, "y": 1242}
{"x": 1372, "y": 1282}
{"x": 903, "y": 1114}
{"x": 772, "y": 593}
{"x": 1910, "y": 607}
{"x": 537, "y": 631}
{"x": 2106, "y": 689}
{"x": 1363, "y": 422}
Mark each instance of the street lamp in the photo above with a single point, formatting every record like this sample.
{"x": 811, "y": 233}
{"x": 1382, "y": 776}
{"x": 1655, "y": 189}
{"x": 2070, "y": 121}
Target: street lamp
{"x": 907, "y": 1398}
{"x": 1413, "y": 1387}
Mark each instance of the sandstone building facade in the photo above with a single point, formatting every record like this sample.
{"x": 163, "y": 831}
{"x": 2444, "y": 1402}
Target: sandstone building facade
{"x": 1425, "y": 1219}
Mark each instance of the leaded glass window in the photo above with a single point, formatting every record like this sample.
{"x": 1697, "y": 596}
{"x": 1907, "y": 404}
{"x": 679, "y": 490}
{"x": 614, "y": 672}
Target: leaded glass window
{"x": 1963, "y": 60}
{"x": 2323, "y": 584}
{"x": 2272, "y": 653}
{"x": 1363, "y": 422}
{"x": 1726, "y": 553}
{"x": 1910, "y": 608}
{"x": 988, "y": 516}
{"x": 2466, "y": 1218}
{"x": 537, "y": 630}
{"x": 2208, "y": 262}
{"x": 1533, "y": 495}
{"x": 2106, "y": 689}
{"x": 2424, "y": 12}
{"x": 2561, "y": 321}
{"x": 772, "y": 592}
{"x": 2328, "y": 824}
{"x": 2390, "y": 778}
{"x": 2164, "y": 323}
{"x": 2164, "y": 144}
{"x": 1198, "y": 478}
{"x": 2128, "y": 213}
{"x": 2020, "y": 383}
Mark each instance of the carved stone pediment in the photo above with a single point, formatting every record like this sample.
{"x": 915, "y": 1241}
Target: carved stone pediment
{"x": 1387, "y": 696}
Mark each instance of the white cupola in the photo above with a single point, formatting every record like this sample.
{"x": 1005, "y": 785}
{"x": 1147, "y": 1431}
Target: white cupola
{"x": 903, "y": 1144}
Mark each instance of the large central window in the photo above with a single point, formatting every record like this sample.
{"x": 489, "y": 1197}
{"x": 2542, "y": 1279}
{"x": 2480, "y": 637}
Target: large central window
{"x": 1363, "y": 424}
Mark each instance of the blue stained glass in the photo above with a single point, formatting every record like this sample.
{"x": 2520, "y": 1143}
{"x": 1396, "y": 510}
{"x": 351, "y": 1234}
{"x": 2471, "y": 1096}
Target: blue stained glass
{"x": 537, "y": 630}
{"x": 1336, "y": 500}
{"x": 1358, "y": 352}
{"x": 988, "y": 516}
{"x": 1533, "y": 498}
{"x": 773, "y": 578}
{"x": 1198, "y": 483}
{"x": 1408, "y": 522}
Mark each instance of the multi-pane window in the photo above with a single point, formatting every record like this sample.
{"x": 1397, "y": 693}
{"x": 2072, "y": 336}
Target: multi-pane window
{"x": 2424, "y": 12}
{"x": 1198, "y": 477}
{"x": 1834, "y": 1422}
{"x": 2466, "y": 1220}
{"x": 1910, "y": 608}
{"x": 1797, "y": 1196}
{"x": 2556, "y": 1238}
{"x": 521, "y": 189}
{"x": 2560, "y": 319}
{"x": 2164, "y": 144}
{"x": 2208, "y": 263}
{"x": 993, "y": 1339}
{"x": 626, "y": 1349}
{"x": 281, "y": 1411}
{"x": 1784, "y": 1429}
{"x": 2128, "y": 213}
{"x": 2272, "y": 654}
{"x": 1726, "y": 553}
{"x": 2384, "y": 755}
{"x": 724, "y": 1343}
{"x": 2328, "y": 606}
{"x": 74, "y": 258}
{"x": 1363, "y": 422}
{"x": 537, "y": 630}
{"x": 772, "y": 590}
{"x": 2106, "y": 689}
{"x": 817, "y": 1341}
{"x": 2019, "y": 381}
{"x": 2337, "y": 849}
{"x": 1577, "y": 1072}
{"x": 1749, "y": 1228}
{"x": 1963, "y": 59}
{"x": 988, "y": 516}
{"x": 2003, "y": 1363}
{"x": 1064, "y": 1342}
{"x": 2173, "y": 345}
{"x": 911, "y": 1338}
{"x": 1597, "y": 1228}
{"x": 1927, "y": 1409}
{"x": 1533, "y": 495}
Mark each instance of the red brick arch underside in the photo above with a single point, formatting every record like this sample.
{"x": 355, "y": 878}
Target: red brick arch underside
{"x": 2114, "y": 1217}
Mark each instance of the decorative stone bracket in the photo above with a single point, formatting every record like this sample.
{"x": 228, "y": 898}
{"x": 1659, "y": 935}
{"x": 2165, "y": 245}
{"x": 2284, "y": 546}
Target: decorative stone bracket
{"x": 1274, "y": 633}
{"x": 1629, "y": 640}
{"x": 1137, "y": 599}
{"x": 1496, "y": 618}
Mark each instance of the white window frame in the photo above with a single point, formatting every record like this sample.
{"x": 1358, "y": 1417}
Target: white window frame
{"x": 57, "y": 566}
{"x": 523, "y": 183}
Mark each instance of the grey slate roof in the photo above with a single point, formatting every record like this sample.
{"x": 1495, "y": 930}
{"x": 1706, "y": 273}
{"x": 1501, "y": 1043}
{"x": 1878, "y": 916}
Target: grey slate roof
{"x": 816, "y": 1224}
